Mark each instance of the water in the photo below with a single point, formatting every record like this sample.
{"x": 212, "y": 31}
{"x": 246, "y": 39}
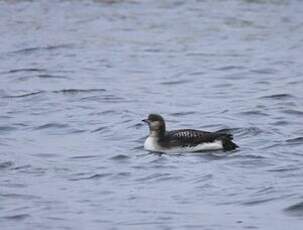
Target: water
{"x": 77, "y": 77}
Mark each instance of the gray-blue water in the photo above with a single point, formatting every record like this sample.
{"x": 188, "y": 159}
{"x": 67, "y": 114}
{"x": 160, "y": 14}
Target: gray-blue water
{"x": 77, "y": 77}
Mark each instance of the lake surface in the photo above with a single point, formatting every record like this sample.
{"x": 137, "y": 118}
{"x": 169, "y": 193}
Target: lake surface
{"x": 77, "y": 77}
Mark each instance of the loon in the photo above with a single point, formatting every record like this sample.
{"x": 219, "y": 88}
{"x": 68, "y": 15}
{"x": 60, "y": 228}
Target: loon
{"x": 184, "y": 140}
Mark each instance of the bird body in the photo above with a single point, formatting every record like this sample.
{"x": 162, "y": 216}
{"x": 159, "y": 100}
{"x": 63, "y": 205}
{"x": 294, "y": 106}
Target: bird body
{"x": 184, "y": 140}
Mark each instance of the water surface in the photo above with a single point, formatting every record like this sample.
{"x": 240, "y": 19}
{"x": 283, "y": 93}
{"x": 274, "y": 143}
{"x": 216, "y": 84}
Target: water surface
{"x": 77, "y": 78}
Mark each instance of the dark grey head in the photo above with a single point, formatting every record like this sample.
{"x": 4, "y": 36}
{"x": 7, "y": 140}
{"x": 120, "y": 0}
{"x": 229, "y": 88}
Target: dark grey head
{"x": 156, "y": 124}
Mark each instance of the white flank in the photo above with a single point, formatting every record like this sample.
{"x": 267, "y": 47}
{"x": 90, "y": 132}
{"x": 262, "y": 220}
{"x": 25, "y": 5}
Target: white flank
{"x": 152, "y": 145}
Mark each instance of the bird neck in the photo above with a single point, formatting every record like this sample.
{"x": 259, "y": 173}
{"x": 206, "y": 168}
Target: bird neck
{"x": 159, "y": 133}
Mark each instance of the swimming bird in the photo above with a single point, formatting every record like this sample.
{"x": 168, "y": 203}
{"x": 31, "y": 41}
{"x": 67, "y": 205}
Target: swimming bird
{"x": 184, "y": 140}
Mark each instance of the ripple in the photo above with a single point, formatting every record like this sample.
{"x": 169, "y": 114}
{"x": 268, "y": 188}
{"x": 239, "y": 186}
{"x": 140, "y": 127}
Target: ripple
{"x": 278, "y": 96}
{"x": 223, "y": 85}
{"x": 6, "y": 164}
{"x": 137, "y": 125}
{"x": 266, "y": 190}
{"x": 84, "y": 157}
{"x": 25, "y": 70}
{"x": 264, "y": 71}
{"x": 296, "y": 209}
{"x": 46, "y": 155}
{"x": 22, "y": 167}
{"x": 297, "y": 140}
{"x": 121, "y": 175}
{"x": 7, "y": 128}
{"x": 212, "y": 155}
{"x": 29, "y": 170}
{"x": 271, "y": 146}
{"x": 179, "y": 114}
{"x": 227, "y": 130}
{"x": 254, "y": 113}
{"x": 101, "y": 129}
{"x": 104, "y": 98}
{"x": 197, "y": 73}
{"x": 17, "y": 217}
{"x": 14, "y": 185}
{"x": 145, "y": 223}
{"x": 177, "y": 82}
{"x": 252, "y": 162}
{"x": 250, "y": 156}
{"x": 120, "y": 157}
{"x": 202, "y": 54}
{"x": 52, "y": 125}
{"x": 24, "y": 95}
{"x": 18, "y": 196}
{"x": 229, "y": 67}
{"x": 51, "y": 76}
{"x": 61, "y": 91}
{"x": 293, "y": 112}
{"x": 92, "y": 177}
{"x": 284, "y": 169}
{"x": 280, "y": 123}
{"x": 154, "y": 176}
{"x": 258, "y": 201}
{"x": 105, "y": 112}
{"x": 42, "y": 48}
{"x": 77, "y": 91}
{"x": 203, "y": 178}
{"x": 250, "y": 131}
{"x": 139, "y": 147}
{"x": 152, "y": 50}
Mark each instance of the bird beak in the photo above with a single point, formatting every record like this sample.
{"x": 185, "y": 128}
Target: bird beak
{"x": 146, "y": 121}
